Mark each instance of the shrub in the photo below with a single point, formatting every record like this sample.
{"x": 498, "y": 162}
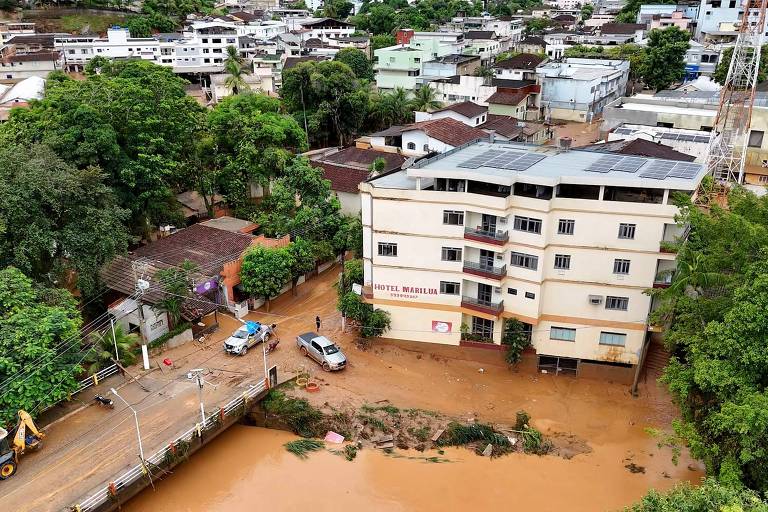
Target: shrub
{"x": 297, "y": 413}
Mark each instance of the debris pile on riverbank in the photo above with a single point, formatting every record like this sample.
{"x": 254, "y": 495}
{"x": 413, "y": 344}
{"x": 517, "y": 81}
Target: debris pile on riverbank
{"x": 387, "y": 427}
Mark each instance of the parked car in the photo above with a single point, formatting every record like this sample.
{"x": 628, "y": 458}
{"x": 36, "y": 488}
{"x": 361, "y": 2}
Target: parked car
{"x": 247, "y": 336}
{"x": 322, "y": 350}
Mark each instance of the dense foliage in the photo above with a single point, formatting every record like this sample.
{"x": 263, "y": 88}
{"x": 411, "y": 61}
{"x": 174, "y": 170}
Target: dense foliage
{"x": 664, "y": 62}
{"x": 721, "y": 72}
{"x": 357, "y": 61}
{"x": 39, "y": 345}
{"x": 372, "y": 322}
{"x": 516, "y": 339}
{"x": 708, "y": 497}
{"x": 716, "y": 311}
{"x": 57, "y": 221}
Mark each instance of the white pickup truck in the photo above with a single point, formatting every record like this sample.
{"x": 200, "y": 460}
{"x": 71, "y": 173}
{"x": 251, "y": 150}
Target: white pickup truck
{"x": 245, "y": 337}
{"x": 322, "y": 350}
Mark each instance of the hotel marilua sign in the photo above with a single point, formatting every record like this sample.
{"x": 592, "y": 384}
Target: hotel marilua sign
{"x": 405, "y": 292}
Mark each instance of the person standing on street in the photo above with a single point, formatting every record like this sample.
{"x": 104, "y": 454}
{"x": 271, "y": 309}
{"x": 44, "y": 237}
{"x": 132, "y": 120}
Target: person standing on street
{"x": 317, "y": 322}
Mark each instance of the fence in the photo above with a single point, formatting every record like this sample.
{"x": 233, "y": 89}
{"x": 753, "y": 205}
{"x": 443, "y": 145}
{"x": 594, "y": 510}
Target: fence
{"x": 109, "y": 492}
{"x": 96, "y": 378}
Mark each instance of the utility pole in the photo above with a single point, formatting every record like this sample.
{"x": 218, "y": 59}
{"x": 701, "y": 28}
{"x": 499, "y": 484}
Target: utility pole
{"x": 136, "y": 419}
{"x": 197, "y": 374}
{"x": 114, "y": 339}
{"x": 142, "y": 285}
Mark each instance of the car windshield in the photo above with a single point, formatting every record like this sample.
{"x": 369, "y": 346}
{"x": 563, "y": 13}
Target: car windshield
{"x": 330, "y": 349}
{"x": 240, "y": 334}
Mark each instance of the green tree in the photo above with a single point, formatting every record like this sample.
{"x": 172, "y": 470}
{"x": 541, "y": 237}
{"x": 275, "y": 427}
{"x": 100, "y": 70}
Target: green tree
{"x": 380, "y": 19}
{"x": 176, "y": 283}
{"x": 103, "y": 348}
{"x": 371, "y": 322}
{"x": 721, "y": 72}
{"x": 516, "y": 339}
{"x": 392, "y": 108}
{"x": 358, "y": 62}
{"x": 266, "y": 271}
{"x": 377, "y": 166}
{"x": 57, "y": 220}
{"x": 586, "y": 11}
{"x": 328, "y": 97}
{"x": 236, "y": 67}
{"x": 302, "y": 260}
{"x": 39, "y": 345}
{"x": 424, "y": 99}
{"x": 664, "y": 62}
{"x": 711, "y": 496}
{"x": 536, "y": 25}
{"x": 382, "y": 41}
{"x": 251, "y": 142}
{"x": 337, "y": 9}
{"x": 134, "y": 121}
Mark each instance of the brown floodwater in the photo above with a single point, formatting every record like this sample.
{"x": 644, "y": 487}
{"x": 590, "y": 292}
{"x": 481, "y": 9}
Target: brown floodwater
{"x": 248, "y": 468}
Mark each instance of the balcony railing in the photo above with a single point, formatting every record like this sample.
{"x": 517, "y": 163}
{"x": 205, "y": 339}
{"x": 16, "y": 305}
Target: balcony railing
{"x": 481, "y": 235}
{"x": 483, "y": 306}
{"x": 485, "y": 270}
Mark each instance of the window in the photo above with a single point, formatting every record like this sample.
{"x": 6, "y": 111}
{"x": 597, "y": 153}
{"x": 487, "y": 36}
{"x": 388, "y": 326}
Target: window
{"x": 451, "y": 254}
{"x": 762, "y": 179}
{"x": 411, "y": 145}
{"x": 530, "y": 295}
{"x": 527, "y": 224}
{"x": 512, "y": 291}
{"x": 387, "y": 249}
{"x": 205, "y": 40}
{"x": 620, "y": 266}
{"x": 618, "y": 303}
{"x": 563, "y": 261}
{"x": 565, "y": 226}
{"x": 562, "y": 333}
{"x": 482, "y": 327}
{"x": 613, "y": 338}
{"x": 627, "y": 231}
{"x": 230, "y": 40}
{"x": 453, "y": 218}
{"x": 519, "y": 259}
{"x": 71, "y": 52}
{"x": 449, "y": 288}
{"x": 206, "y": 50}
{"x": 426, "y": 148}
{"x": 216, "y": 40}
{"x": 755, "y": 139}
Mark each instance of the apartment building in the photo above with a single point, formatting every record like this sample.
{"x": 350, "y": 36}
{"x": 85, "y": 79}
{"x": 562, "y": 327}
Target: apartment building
{"x": 564, "y": 241}
{"x": 719, "y": 19}
{"x": 578, "y": 89}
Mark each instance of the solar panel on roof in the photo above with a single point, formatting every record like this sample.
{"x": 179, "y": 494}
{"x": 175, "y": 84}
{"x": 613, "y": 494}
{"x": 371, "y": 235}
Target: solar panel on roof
{"x": 629, "y": 164}
{"x": 701, "y": 138}
{"x": 604, "y": 164}
{"x": 525, "y": 162}
{"x": 685, "y": 171}
{"x": 481, "y": 159}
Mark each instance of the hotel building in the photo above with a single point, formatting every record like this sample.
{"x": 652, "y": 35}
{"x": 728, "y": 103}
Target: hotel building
{"x": 567, "y": 242}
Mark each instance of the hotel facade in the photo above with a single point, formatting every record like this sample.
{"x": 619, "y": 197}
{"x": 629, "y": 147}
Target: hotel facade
{"x": 566, "y": 242}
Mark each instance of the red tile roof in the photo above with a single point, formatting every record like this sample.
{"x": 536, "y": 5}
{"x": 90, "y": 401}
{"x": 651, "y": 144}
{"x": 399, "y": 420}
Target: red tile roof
{"x": 448, "y": 130}
{"x": 465, "y": 108}
{"x": 507, "y": 98}
{"x": 343, "y": 178}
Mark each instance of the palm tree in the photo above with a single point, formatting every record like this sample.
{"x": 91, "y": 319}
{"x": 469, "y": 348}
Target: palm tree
{"x": 103, "y": 351}
{"x": 424, "y": 99}
{"x": 395, "y": 107}
{"x": 692, "y": 278}
{"x": 236, "y": 67}
{"x": 487, "y": 73}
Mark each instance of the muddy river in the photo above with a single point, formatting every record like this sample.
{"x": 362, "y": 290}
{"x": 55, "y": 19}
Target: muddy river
{"x": 249, "y": 469}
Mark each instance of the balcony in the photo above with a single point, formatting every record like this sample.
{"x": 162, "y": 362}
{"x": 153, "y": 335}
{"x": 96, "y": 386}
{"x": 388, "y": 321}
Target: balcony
{"x": 482, "y": 306}
{"x": 491, "y": 237}
{"x": 662, "y": 281}
{"x": 485, "y": 270}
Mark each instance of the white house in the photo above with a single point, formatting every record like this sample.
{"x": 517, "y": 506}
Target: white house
{"x": 467, "y": 112}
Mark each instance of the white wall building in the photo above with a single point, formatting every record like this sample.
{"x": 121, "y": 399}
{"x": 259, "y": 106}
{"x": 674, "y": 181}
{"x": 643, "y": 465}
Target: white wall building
{"x": 463, "y": 88}
{"x": 558, "y": 244}
{"x": 578, "y": 89}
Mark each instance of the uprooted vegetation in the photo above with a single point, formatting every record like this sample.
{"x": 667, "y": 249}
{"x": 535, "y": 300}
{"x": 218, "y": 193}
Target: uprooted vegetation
{"x": 386, "y": 427}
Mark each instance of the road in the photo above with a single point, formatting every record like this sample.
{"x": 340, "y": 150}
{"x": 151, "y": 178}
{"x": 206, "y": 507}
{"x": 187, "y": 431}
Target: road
{"x": 85, "y": 450}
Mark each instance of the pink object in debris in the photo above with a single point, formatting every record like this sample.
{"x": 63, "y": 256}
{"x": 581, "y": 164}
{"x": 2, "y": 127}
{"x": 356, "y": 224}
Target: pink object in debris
{"x": 167, "y": 362}
{"x": 333, "y": 437}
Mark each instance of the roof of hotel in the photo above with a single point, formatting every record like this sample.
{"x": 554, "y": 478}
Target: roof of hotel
{"x": 546, "y": 165}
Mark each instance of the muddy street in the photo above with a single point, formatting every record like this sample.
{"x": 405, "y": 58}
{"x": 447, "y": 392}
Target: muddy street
{"x": 91, "y": 446}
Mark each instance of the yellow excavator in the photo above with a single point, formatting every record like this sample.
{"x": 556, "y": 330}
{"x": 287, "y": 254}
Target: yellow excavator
{"x": 25, "y": 437}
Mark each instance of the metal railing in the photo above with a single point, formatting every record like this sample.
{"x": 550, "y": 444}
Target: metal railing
{"x": 485, "y": 268}
{"x": 501, "y": 236}
{"x": 138, "y": 471}
{"x": 96, "y": 378}
{"x": 485, "y": 304}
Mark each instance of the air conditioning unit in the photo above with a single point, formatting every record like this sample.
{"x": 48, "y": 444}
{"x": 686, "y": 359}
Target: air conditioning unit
{"x": 595, "y": 300}
{"x": 499, "y": 256}
{"x": 502, "y": 220}
{"x": 497, "y": 289}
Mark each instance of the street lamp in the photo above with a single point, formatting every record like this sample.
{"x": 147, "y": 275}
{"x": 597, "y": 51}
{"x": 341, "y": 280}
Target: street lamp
{"x": 136, "y": 418}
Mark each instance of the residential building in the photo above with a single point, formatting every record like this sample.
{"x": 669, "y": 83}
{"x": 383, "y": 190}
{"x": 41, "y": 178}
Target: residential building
{"x": 569, "y": 4}
{"x": 482, "y": 43}
{"x": 9, "y": 29}
{"x": 504, "y": 128}
{"x": 214, "y": 247}
{"x": 469, "y": 113}
{"x": 256, "y": 82}
{"x": 422, "y": 138}
{"x": 687, "y": 142}
{"x": 564, "y": 21}
{"x": 347, "y": 168}
{"x": 565, "y": 242}
{"x": 675, "y": 19}
{"x": 23, "y": 56}
{"x": 618, "y": 33}
{"x": 460, "y": 88}
{"x": 520, "y": 67}
{"x": 450, "y": 65}
{"x": 399, "y": 66}
{"x": 20, "y": 94}
{"x": 701, "y": 60}
{"x": 578, "y": 89}
{"x": 326, "y": 29}
{"x": 648, "y": 12}
{"x": 532, "y": 44}
{"x": 598, "y": 20}
{"x": 520, "y": 102}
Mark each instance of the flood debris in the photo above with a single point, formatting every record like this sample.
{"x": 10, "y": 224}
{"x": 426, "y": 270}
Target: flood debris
{"x": 301, "y": 447}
